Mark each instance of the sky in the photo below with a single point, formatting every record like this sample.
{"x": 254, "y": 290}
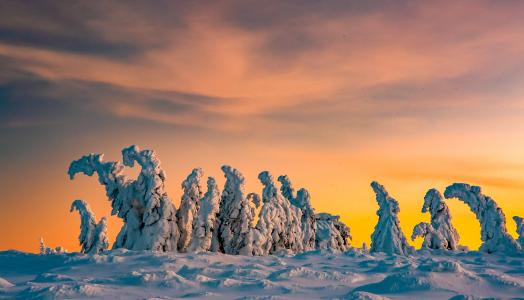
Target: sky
{"x": 335, "y": 94}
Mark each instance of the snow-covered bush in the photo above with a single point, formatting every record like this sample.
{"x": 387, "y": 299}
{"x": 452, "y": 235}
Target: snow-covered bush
{"x": 494, "y": 235}
{"x": 189, "y": 205}
{"x": 93, "y": 236}
{"x": 205, "y": 221}
{"x": 331, "y": 233}
{"x": 520, "y": 229}
{"x": 279, "y": 223}
{"x": 387, "y": 236}
{"x": 440, "y": 233}
{"x": 235, "y": 218}
{"x": 144, "y": 206}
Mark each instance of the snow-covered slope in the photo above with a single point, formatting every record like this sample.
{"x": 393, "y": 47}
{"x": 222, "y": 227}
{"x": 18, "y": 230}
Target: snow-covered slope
{"x": 124, "y": 274}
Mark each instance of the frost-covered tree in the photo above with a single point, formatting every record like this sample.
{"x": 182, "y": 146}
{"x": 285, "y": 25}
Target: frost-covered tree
{"x": 387, "y": 236}
{"x": 494, "y": 235}
{"x": 93, "y": 236}
{"x": 44, "y": 250}
{"x": 520, "y": 230}
{"x": 433, "y": 239}
{"x": 235, "y": 218}
{"x": 144, "y": 206}
{"x": 205, "y": 222}
{"x": 188, "y": 210}
{"x": 331, "y": 233}
{"x": 302, "y": 200}
{"x": 308, "y": 219}
{"x": 286, "y": 188}
{"x": 440, "y": 233}
{"x": 279, "y": 222}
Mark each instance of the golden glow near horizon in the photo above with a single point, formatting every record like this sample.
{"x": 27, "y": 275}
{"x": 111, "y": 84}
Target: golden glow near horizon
{"x": 335, "y": 95}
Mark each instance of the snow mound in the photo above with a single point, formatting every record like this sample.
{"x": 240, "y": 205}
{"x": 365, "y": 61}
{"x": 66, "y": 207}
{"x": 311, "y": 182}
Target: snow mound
{"x": 494, "y": 235}
{"x": 4, "y": 284}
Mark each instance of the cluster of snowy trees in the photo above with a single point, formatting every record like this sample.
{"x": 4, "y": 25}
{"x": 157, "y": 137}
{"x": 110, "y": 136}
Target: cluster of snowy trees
{"x": 440, "y": 233}
{"x": 224, "y": 221}
{"x": 217, "y": 221}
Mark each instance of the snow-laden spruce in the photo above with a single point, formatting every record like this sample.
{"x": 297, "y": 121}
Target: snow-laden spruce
{"x": 440, "y": 233}
{"x": 235, "y": 218}
{"x": 387, "y": 236}
{"x": 279, "y": 223}
{"x": 144, "y": 206}
{"x": 308, "y": 220}
{"x": 520, "y": 229}
{"x": 205, "y": 221}
{"x": 93, "y": 236}
{"x": 331, "y": 233}
{"x": 302, "y": 200}
{"x": 44, "y": 250}
{"x": 189, "y": 205}
{"x": 494, "y": 235}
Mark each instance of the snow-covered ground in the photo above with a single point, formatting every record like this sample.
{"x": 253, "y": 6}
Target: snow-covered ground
{"x": 123, "y": 274}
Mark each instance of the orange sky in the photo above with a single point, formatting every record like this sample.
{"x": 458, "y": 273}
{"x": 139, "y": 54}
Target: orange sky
{"x": 334, "y": 94}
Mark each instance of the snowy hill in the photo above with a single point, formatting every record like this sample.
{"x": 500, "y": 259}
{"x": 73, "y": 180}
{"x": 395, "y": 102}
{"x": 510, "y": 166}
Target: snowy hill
{"x": 124, "y": 274}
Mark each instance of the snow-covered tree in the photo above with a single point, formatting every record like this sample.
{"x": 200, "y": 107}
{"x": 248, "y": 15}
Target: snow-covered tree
{"x": 286, "y": 188}
{"x": 308, "y": 219}
{"x": 440, "y": 233}
{"x": 520, "y": 230}
{"x": 93, "y": 236}
{"x": 144, "y": 206}
{"x": 331, "y": 233}
{"x": 44, "y": 250}
{"x": 494, "y": 235}
{"x": 235, "y": 218}
{"x": 188, "y": 210}
{"x": 387, "y": 236}
{"x": 205, "y": 222}
{"x": 433, "y": 239}
{"x": 279, "y": 222}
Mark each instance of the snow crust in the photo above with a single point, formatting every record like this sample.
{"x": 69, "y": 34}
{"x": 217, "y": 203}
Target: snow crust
{"x": 388, "y": 236}
{"x": 124, "y": 274}
{"x": 93, "y": 235}
{"x": 440, "y": 233}
{"x": 494, "y": 235}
